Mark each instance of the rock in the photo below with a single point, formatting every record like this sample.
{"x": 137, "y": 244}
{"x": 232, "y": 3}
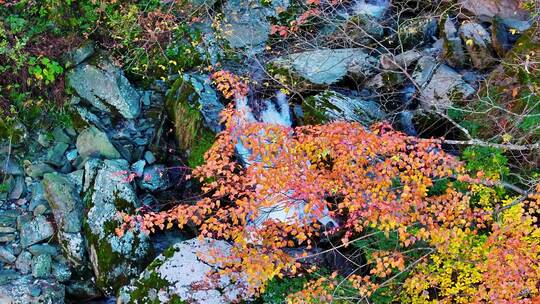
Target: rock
{"x": 39, "y": 169}
{"x": 478, "y": 45}
{"x": 38, "y": 197}
{"x": 138, "y": 167}
{"x": 60, "y": 136}
{"x": 401, "y": 61}
{"x": 7, "y": 276}
{"x": 245, "y": 24}
{"x": 17, "y": 187}
{"x": 149, "y": 157}
{"x": 6, "y": 256}
{"x": 94, "y": 143}
{"x": 39, "y": 210}
{"x": 416, "y": 32}
{"x": 210, "y": 107}
{"x": 55, "y": 156}
{"x": 72, "y": 154}
{"x": 106, "y": 88}
{"x": 78, "y": 55}
{"x": 24, "y": 262}
{"x": 331, "y": 106}
{"x": 329, "y": 66}
{"x": 445, "y": 86}
{"x": 82, "y": 289}
{"x": 114, "y": 260}
{"x": 8, "y": 166}
{"x": 155, "y": 178}
{"x": 61, "y": 271}
{"x": 487, "y": 9}
{"x": 39, "y": 249}
{"x": 35, "y": 231}
{"x": 41, "y": 266}
{"x": 453, "y": 51}
{"x": 179, "y": 273}
{"x": 65, "y": 203}
{"x": 24, "y": 290}
{"x": 373, "y": 8}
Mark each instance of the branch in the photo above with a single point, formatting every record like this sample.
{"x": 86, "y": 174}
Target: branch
{"x": 477, "y": 142}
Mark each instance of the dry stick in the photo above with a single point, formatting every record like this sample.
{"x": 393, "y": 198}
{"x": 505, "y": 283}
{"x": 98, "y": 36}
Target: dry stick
{"x": 477, "y": 142}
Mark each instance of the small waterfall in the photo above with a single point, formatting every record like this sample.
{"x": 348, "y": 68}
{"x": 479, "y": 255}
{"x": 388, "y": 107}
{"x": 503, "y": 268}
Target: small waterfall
{"x": 275, "y": 112}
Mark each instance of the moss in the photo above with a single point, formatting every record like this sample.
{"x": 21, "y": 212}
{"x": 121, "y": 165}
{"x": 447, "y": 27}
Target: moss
{"x": 141, "y": 293}
{"x": 186, "y": 118}
{"x": 199, "y": 148}
{"x": 316, "y": 107}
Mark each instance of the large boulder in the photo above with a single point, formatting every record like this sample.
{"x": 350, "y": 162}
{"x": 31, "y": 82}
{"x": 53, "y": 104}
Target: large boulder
{"x": 95, "y": 143}
{"x": 115, "y": 260}
{"x": 331, "y": 106}
{"x": 106, "y": 88}
{"x": 441, "y": 85}
{"x": 63, "y": 197}
{"x": 328, "y": 66}
{"x": 180, "y": 273}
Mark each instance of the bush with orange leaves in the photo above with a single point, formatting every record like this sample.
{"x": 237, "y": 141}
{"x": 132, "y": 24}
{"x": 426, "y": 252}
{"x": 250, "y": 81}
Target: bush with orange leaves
{"x": 447, "y": 248}
{"x": 229, "y": 84}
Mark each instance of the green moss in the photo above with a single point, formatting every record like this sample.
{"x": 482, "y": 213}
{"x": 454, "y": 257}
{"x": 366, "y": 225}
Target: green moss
{"x": 186, "y": 118}
{"x": 198, "y": 149}
{"x": 141, "y": 293}
{"x": 316, "y": 107}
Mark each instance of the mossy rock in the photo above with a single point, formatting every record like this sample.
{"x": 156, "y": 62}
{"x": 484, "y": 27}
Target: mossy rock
{"x": 115, "y": 260}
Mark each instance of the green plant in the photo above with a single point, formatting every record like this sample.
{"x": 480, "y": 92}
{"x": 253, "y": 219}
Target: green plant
{"x": 45, "y": 69}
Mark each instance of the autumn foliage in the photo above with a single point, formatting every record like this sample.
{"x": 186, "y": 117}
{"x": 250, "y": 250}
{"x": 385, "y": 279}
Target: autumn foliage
{"x": 449, "y": 247}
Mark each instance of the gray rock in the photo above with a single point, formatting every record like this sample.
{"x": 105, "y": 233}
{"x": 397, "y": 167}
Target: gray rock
{"x": 210, "y": 107}
{"x": 138, "y": 167}
{"x": 17, "y": 187}
{"x": 60, "y": 136}
{"x": 6, "y": 276}
{"x": 331, "y": 106}
{"x": 55, "y": 156}
{"x": 41, "y": 265}
{"x": 61, "y": 271}
{"x": 179, "y": 270}
{"x": 114, "y": 260}
{"x": 106, "y": 88}
{"x": 63, "y": 197}
{"x": 478, "y": 45}
{"x": 155, "y": 178}
{"x": 329, "y": 66}
{"x": 72, "y": 154}
{"x": 9, "y": 166}
{"x": 35, "y": 231}
{"x": 78, "y": 55}
{"x": 39, "y": 169}
{"x": 39, "y": 249}
{"x": 7, "y": 229}
{"x": 6, "y": 256}
{"x": 149, "y": 157}
{"x": 400, "y": 61}
{"x": 39, "y": 210}
{"x": 24, "y": 290}
{"x": 245, "y": 24}
{"x": 94, "y": 143}
{"x": 453, "y": 51}
{"x": 65, "y": 203}
{"x": 24, "y": 262}
{"x": 445, "y": 86}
